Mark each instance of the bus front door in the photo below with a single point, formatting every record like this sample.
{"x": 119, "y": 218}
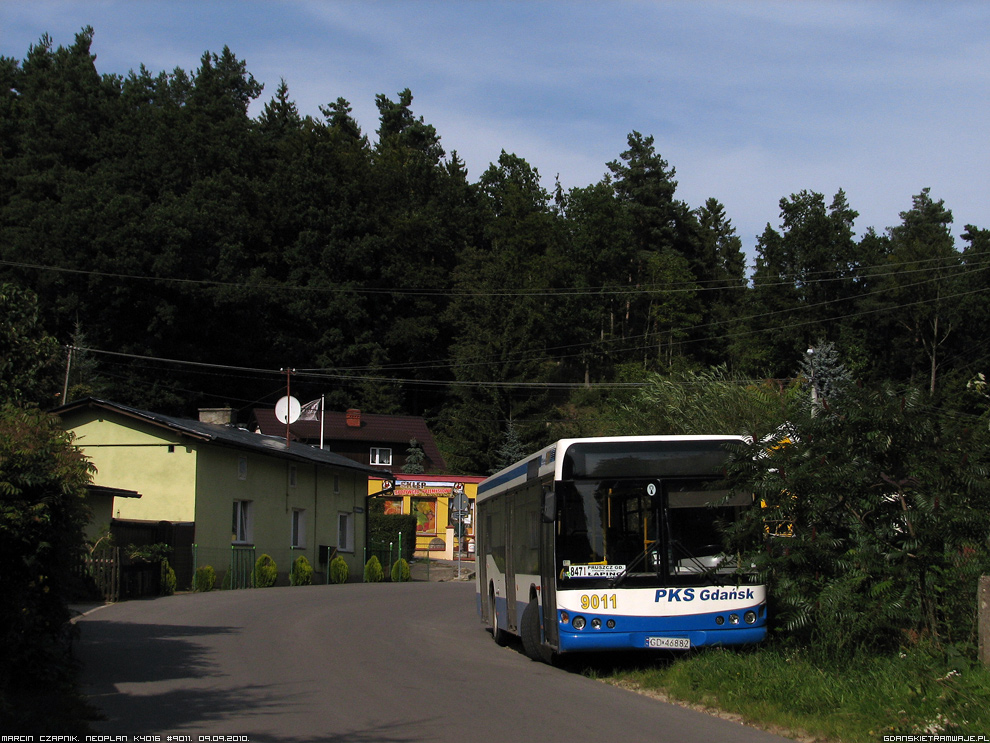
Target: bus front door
{"x": 510, "y": 570}
{"x": 548, "y": 570}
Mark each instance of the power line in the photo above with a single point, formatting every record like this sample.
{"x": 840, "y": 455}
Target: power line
{"x": 802, "y": 309}
{"x": 691, "y": 286}
{"x": 314, "y": 374}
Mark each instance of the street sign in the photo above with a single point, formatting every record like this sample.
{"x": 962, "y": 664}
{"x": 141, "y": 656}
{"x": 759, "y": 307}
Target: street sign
{"x": 461, "y": 502}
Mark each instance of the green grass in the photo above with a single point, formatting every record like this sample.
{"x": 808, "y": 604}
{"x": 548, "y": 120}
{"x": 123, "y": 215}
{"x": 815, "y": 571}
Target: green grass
{"x": 913, "y": 692}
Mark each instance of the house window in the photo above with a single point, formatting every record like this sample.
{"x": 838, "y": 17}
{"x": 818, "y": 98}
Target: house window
{"x": 425, "y": 511}
{"x": 336, "y": 484}
{"x": 241, "y": 525}
{"x": 293, "y": 476}
{"x": 242, "y": 468}
{"x": 298, "y": 527}
{"x": 381, "y": 456}
{"x": 345, "y": 532}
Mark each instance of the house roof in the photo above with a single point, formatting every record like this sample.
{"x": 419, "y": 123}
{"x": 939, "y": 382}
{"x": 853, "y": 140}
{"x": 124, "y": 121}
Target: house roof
{"x": 393, "y": 430}
{"x": 224, "y": 435}
{"x": 113, "y": 492}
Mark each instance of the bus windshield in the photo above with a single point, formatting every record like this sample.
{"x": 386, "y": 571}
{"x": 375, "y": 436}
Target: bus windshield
{"x": 642, "y": 531}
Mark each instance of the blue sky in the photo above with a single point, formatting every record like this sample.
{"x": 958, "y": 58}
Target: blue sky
{"x": 748, "y": 101}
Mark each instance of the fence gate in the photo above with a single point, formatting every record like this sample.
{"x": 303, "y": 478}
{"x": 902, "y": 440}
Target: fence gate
{"x": 240, "y": 574}
{"x": 104, "y": 568}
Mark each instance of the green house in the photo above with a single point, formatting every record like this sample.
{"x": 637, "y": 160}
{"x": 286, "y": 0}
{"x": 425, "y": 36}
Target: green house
{"x": 234, "y": 494}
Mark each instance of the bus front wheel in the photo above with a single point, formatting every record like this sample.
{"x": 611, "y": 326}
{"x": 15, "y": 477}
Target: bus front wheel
{"x": 529, "y": 630}
{"x": 532, "y": 635}
{"x": 500, "y": 635}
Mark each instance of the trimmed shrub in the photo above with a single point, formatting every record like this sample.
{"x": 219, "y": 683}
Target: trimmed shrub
{"x": 339, "y": 570}
{"x": 205, "y": 580}
{"x": 301, "y": 573}
{"x": 168, "y": 579}
{"x": 265, "y": 572}
{"x": 400, "y": 571}
{"x": 373, "y": 572}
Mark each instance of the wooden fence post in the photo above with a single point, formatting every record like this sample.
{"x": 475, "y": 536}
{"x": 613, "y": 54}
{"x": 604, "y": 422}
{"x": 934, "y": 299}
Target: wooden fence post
{"x": 983, "y": 606}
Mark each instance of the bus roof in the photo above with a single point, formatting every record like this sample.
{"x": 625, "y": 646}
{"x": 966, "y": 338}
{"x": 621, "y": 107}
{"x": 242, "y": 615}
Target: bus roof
{"x": 548, "y": 459}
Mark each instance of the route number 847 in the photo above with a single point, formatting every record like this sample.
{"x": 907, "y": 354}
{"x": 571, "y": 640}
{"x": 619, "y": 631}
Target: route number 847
{"x": 598, "y": 601}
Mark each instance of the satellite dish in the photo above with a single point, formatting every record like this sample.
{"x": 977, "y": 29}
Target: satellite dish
{"x": 287, "y": 410}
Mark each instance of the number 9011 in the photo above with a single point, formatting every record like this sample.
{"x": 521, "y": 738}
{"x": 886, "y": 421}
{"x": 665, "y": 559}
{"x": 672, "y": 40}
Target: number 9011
{"x": 596, "y": 601}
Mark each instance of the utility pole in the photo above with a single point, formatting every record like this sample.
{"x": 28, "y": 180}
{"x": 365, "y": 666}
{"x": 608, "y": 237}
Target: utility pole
{"x": 68, "y": 366}
{"x": 814, "y": 382}
{"x": 288, "y": 395}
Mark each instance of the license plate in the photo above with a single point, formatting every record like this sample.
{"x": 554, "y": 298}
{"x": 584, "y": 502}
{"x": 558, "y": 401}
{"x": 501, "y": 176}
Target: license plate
{"x": 669, "y": 643}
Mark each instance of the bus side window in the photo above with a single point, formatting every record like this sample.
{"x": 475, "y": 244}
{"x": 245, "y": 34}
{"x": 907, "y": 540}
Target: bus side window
{"x": 549, "y": 506}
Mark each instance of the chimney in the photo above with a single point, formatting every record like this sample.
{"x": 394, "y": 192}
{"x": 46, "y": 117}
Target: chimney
{"x": 220, "y": 416}
{"x": 353, "y": 418}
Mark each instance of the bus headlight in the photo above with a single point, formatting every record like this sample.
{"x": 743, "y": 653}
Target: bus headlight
{"x": 733, "y": 619}
{"x": 564, "y": 617}
{"x": 610, "y": 624}
{"x": 596, "y": 623}
{"x": 719, "y": 620}
{"x": 749, "y": 617}
{"x": 578, "y": 622}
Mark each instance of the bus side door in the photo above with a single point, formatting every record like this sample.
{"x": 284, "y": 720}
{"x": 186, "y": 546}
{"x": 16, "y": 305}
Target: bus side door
{"x": 510, "y": 567}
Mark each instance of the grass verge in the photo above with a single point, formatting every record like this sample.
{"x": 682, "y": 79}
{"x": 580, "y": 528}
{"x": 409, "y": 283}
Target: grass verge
{"x": 915, "y": 692}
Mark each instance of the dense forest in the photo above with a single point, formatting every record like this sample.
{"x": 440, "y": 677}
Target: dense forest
{"x": 186, "y": 253}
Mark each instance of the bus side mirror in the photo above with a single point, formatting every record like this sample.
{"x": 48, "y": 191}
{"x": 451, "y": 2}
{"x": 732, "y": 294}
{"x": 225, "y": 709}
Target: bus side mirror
{"x": 549, "y": 506}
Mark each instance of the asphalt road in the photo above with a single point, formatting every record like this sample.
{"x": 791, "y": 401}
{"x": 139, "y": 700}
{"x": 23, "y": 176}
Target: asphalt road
{"x": 356, "y": 662}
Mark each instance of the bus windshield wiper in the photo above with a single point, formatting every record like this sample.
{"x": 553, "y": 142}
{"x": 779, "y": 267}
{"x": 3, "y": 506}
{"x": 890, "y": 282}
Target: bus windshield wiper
{"x": 708, "y": 570}
{"x": 617, "y": 580}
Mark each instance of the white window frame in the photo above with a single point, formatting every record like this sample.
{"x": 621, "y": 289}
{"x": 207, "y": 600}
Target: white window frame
{"x": 380, "y": 455}
{"x": 345, "y": 532}
{"x": 297, "y": 528}
{"x": 242, "y": 523}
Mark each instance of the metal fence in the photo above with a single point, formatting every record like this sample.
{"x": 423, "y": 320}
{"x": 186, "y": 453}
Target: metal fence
{"x": 234, "y": 566}
{"x": 386, "y": 552}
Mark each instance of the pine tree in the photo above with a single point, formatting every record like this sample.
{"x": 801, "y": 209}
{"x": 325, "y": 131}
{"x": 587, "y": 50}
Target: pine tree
{"x": 824, "y": 372}
{"x": 510, "y": 450}
{"x": 415, "y": 457}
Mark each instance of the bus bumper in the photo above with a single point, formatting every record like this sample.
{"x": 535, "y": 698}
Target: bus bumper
{"x": 592, "y": 640}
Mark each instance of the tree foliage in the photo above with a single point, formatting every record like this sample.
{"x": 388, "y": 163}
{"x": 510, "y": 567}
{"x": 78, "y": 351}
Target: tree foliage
{"x": 29, "y": 356}
{"x": 43, "y": 480}
{"x": 704, "y": 403}
{"x": 873, "y": 526}
{"x": 154, "y": 219}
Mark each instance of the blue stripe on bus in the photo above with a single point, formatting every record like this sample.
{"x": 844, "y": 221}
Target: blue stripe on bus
{"x": 669, "y": 623}
{"x": 631, "y": 632}
{"x": 505, "y": 477}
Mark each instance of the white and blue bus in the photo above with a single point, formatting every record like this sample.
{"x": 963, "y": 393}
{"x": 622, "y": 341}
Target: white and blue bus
{"x": 612, "y": 543}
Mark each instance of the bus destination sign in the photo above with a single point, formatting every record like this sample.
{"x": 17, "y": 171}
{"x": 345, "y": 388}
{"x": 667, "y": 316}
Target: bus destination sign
{"x": 593, "y": 571}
